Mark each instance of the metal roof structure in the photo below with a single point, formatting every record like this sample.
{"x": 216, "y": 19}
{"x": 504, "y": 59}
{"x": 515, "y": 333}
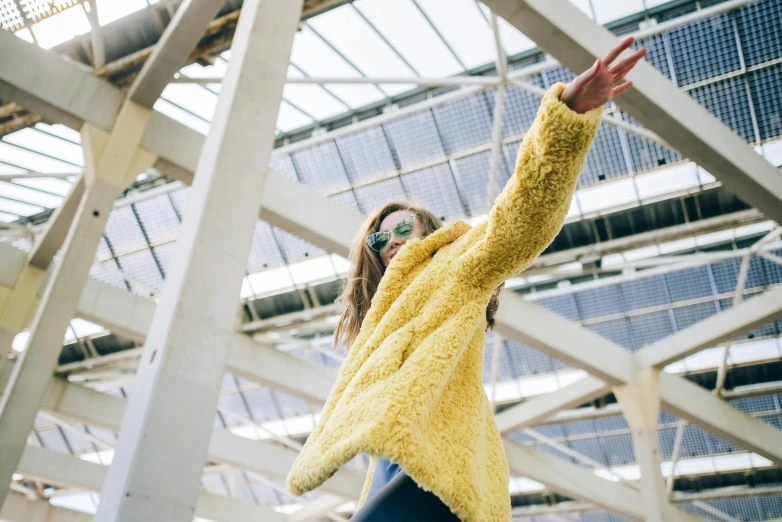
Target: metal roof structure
{"x": 670, "y": 257}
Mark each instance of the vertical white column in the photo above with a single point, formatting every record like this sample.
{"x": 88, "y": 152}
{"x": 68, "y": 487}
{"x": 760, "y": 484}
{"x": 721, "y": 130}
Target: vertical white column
{"x": 165, "y": 433}
{"x": 641, "y": 405}
{"x": 107, "y": 163}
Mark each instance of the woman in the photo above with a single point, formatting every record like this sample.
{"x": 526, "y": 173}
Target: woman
{"x": 419, "y": 299}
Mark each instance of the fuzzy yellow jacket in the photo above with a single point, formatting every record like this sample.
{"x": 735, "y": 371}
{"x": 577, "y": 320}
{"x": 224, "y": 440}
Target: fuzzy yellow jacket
{"x": 410, "y": 389}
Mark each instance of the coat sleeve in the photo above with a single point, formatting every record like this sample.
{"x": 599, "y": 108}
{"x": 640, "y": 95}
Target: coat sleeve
{"x": 530, "y": 211}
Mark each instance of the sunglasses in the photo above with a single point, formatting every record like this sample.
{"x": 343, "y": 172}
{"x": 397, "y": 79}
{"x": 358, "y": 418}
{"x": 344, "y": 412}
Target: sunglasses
{"x": 403, "y": 230}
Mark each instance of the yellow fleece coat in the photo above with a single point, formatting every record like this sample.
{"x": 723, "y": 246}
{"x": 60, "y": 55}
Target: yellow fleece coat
{"x": 410, "y": 389}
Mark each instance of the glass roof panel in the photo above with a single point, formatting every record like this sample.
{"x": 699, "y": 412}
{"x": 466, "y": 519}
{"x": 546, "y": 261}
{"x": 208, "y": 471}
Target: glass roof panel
{"x": 191, "y": 97}
{"x": 195, "y": 70}
{"x": 290, "y": 118}
{"x": 348, "y": 32}
{"x": 82, "y": 328}
{"x": 61, "y": 131}
{"x": 455, "y": 19}
{"x": 61, "y": 27}
{"x": 585, "y": 6}
{"x": 40, "y": 142}
{"x": 316, "y": 59}
{"x": 53, "y": 185}
{"x": 110, "y": 10}
{"x": 407, "y": 30}
{"x": 8, "y": 218}
{"x": 25, "y": 34}
{"x": 28, "y": 195}
{"x": 182, "y": 116}
{"x": 15, "y": 207}
{"x": 10, "y": 169}
{"x": 32, "y": 161}
{"x": 312, "y": 99}
{"x": 356, "y": 95}
{"x": 610, "y": 10}
{"x": 513, "y": 40}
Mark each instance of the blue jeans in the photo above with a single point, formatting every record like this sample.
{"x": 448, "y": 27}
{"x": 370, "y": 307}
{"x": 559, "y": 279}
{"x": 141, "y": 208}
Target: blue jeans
{"x": 401, "y": 500}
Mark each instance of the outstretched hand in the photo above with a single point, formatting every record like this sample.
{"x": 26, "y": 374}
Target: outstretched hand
{"x": 602, "y": 82}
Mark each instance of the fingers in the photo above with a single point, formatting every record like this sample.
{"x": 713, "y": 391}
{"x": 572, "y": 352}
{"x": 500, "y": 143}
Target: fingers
{"x": 619, "y": 49}
{"x": 618, "y": 75}
{"x": 629, "y": 62}
{"x": 621, "y": 88}
{"x": 591, "y": 72}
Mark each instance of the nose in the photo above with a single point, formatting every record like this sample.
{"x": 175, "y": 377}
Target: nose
{"x": 395, "y": 241}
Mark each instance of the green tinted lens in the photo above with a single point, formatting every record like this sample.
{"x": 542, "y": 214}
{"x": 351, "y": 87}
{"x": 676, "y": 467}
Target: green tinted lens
{"x": 377, "y": 241}
{"x": 404, "y": 229}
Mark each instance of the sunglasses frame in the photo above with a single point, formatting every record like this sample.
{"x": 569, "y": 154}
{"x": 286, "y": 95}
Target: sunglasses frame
{"x": 388, "y": 234}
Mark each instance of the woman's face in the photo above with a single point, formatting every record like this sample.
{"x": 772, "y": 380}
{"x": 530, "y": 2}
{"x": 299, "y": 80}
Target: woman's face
{"x": 394, "y": 243}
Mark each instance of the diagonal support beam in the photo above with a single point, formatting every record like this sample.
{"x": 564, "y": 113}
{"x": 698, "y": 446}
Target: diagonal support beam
{"x": 565, "y": 32}
{"x": 724, "y": 326}
{"x": 109, "y": 162}
{"x": 69, "y": 471}
{"x": 22, "y": 301}
{"x": 171, "y": 52}
{"x": 579, "y": 482}
{"x": 536, "y": 410}
{"x": 79, "y": 404}
{"x": 677, "y": 394}
{"x": 531, "y": 324}
{"x": 130, "y": 316}
{"x": 20, "y": 509}
{"x": 58, "y": 90}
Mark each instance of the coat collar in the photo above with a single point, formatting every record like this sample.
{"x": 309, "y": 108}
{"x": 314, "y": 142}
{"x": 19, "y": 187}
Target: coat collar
{"x": 415, "y": 251}
{"x": 412, "y": 254}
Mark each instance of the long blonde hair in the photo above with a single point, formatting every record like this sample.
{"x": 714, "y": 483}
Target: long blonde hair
{"x": 367, "y": 270}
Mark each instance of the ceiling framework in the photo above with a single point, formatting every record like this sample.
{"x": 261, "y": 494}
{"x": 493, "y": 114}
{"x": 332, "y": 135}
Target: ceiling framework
{"x": 136, "y": 139}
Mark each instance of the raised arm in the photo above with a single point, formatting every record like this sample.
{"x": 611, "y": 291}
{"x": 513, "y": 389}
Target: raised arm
{"x": 528, "y": 214}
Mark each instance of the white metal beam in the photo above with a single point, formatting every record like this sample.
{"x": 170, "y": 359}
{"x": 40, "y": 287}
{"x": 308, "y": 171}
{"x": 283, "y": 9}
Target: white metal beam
{"x": 58, "y": 90}
{"x": 578, "y": 482}
{"x": 536, "y": 410}
{"x": 68, "y": 471}
{"x": 109, "y": 162}
{"x": 131, "y": 316}
{"x": 640, "y": 403}
{"x": 23, "y": 300}
{"x": 743, "y": 317}
{"x": 162, "y": 446}
{"x": 287, "y": 204}
{"x": 546, "y": 331}
{"x": 695, "y": 404}
{"x": 535, "y": 326}
{"x": 172, "y": 50}
{"x": 96, "y": 34}
{"x": 309, "y": 80}
{"x": 562, "y": 30}
{"x": 82, "y": 405}
{"x": 79, "y": 404}
{"x": 57, "y": 227}
{"x": 17, "y": 508}
{"x": 317, "y": 509}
